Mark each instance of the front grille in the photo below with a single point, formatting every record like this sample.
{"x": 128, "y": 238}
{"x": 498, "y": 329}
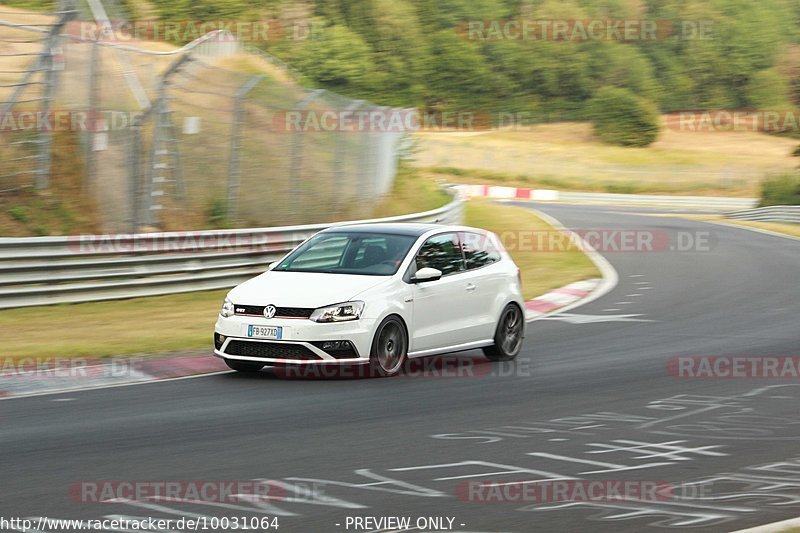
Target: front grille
{"x": 271, "y": 350}
{"x": 281, "y": 312}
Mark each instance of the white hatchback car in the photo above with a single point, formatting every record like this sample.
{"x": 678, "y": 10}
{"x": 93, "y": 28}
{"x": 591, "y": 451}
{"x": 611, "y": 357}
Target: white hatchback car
{"x": 376, "y": 294}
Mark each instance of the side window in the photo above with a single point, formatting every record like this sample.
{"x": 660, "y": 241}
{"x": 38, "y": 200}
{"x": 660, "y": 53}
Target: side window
{"x": 479, "y": 250}
{"x": 442, "y": 252}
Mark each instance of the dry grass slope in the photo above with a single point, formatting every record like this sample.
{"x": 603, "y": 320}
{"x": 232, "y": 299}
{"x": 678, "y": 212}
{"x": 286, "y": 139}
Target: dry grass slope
{"x": 567, "y": 156}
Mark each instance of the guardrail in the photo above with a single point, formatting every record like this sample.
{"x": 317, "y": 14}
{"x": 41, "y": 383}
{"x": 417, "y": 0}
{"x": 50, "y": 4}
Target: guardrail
{"x": 775, "y": 213}
{"x": 51, "y": 270}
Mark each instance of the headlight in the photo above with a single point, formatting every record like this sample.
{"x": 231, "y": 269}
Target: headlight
{"x": 227, "y": 309}
{"x": 338, "y": 313}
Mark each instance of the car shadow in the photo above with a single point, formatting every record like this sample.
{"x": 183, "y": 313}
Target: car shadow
{"x": 443, "y": 367}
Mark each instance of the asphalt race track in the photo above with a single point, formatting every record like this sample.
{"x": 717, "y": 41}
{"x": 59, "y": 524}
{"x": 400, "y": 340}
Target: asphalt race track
{"x": 592, "y": 397}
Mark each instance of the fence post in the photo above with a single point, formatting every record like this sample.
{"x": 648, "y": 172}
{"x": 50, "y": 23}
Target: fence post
{"x": 50, "y": 79}
{"x": 339, "y": 157}
{"x": 94, "y": 119}
{"x": 297, "y": 152}
{"x": 368, "y": 163}
{"x": 134, "y": 194}
{"x": 234, "y": 168}
{"x": 162, "y": 122}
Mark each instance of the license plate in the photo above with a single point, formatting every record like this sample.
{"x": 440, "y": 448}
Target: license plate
{"x": 262, "y": 332}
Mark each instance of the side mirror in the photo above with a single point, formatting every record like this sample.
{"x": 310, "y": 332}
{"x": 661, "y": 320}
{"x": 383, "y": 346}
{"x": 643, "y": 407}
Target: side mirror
{"x": 426, "y": 274}
{"x": 272, "y": 265}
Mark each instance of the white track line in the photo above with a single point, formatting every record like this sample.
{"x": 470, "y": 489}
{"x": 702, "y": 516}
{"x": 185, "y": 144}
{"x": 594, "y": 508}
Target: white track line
{"x": 610, "y": 276}
{"x": 775, "y": 527}
{"x": 609, "y": 281}
{"x": 114, "y": 386}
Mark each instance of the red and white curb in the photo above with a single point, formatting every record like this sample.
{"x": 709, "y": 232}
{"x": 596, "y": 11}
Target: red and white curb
{"x": 507, "y": 193}
{"x": 72, "y": 375}
{"x": 32, "y": 378}
{"x": 120, "y": 372}
{"x": 576, "y": 294}
{"x": 558, "y": 298}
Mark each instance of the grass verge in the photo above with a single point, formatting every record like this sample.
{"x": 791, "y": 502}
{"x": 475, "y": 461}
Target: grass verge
{"x": 152, "y": 325}
{"x": 788, "y": 229}
{"x": 184, "y": 322}
{"x": 541, "y": 271}
{"x": 411, "y": 193}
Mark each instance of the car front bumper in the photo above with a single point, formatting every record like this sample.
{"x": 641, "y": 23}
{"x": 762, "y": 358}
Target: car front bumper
{"x": 300, "y": 343}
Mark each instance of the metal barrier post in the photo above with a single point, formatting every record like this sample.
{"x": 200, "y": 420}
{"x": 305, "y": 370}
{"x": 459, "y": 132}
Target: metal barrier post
{"x": 51, "y": 78}
{"x": 297, "y": 152}
{"x": 234, "y": 168}
{"x": 94, "y": 121}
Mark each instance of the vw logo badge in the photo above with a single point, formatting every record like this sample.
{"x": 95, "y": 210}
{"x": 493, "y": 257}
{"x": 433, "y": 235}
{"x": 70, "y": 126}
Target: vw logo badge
{"x": 269, "y": 311}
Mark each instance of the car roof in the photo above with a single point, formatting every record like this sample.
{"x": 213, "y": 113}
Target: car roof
{"x": 397, "y": 228}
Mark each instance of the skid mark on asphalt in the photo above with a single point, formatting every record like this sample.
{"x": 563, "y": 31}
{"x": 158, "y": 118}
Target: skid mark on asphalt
{"x": 705, "y": 501}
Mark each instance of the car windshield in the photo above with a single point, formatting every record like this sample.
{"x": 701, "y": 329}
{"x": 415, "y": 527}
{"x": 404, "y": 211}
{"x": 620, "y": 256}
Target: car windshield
{"x": 360, "y": 253}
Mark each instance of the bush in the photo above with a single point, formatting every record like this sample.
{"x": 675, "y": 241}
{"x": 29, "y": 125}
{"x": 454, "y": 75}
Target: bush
{"x": 783, "y": 189}
{"x": 18, "y": 213}
{"x": 622, "y": 188}
{"x": 217, "y": 214}
{"x": 620, "y": 117}
{"x": 767, "y": 89}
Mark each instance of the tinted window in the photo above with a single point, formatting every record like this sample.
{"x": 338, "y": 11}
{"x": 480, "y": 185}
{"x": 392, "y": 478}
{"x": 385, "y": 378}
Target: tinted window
{"x": 441, "y": 252}
{"x": 322, "y": 253}
{"x": 369, "y": 254}
{"x": 479, "y": 250}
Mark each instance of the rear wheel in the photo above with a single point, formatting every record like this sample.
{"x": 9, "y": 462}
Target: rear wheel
{"x": 508, "y": 336}
{"x": 243, "y": 366}
{"x": 389, "y": 348}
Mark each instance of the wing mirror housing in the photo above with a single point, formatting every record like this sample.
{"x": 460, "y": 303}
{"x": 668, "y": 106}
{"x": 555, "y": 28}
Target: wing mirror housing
{"x": 426, "y": 274}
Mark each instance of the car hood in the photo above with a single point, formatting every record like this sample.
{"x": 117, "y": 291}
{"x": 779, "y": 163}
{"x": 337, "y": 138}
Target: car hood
{"x": 302, "y": 289}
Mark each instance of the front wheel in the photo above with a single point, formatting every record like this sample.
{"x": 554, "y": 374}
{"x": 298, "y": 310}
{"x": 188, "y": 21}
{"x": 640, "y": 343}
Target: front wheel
{"x": 242, "y": 366}
{"x": 508, "y": 336}
{"x": 389, "y": 348}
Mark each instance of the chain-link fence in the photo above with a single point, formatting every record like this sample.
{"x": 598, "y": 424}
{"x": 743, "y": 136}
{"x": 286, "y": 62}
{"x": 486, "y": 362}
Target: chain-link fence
{"x": 29, "y": 67}
{"x": 177, "y": 138}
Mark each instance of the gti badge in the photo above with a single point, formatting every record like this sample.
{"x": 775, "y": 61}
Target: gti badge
{"x": 269, "y": 311}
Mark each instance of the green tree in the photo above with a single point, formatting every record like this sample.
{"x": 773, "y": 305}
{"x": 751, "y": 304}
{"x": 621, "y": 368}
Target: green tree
{"x": 624, "y": 66}
{"x": 621, "y": 117}
{"x": 767, "y": 89}
{"x": 457, "y": 76}
{"x": 338, "y": 59}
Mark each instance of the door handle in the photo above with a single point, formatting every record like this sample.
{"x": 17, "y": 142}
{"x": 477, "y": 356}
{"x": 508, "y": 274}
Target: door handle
{"x": 470, "y": 287}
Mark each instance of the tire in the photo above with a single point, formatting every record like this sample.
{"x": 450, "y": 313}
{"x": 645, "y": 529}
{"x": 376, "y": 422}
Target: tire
{"x": 507, "y": 336}
{"x": 389, "y": 348}
{"x": 242, "y": 366}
